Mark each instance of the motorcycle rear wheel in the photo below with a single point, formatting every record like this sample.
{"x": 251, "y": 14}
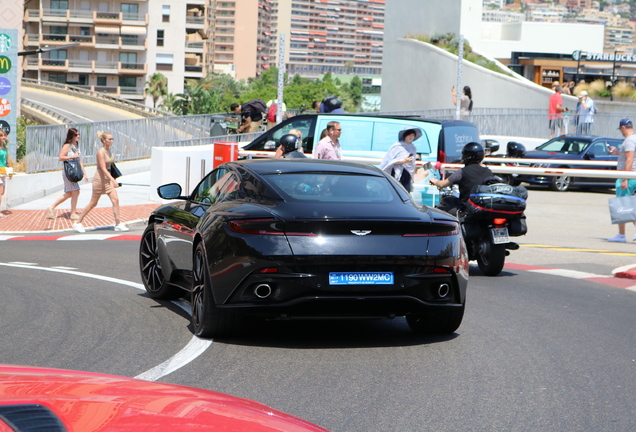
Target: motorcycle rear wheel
{"x": 491, "y": 258}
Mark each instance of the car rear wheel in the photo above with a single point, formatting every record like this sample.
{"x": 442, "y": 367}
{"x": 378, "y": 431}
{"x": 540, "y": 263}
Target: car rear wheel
{"x": 444, "y": 321}
{"x": 208, "y": 320}
{"x": 560, "y": 183}
{"x": 150, "y": 267}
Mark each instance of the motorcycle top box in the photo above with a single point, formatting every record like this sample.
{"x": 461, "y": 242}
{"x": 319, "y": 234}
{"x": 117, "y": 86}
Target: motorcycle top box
{"x": 496, "y": 200}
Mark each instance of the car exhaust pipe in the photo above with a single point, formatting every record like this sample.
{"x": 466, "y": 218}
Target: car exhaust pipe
{"x": 443, "y": 290}
{"x": 263, "y": 291}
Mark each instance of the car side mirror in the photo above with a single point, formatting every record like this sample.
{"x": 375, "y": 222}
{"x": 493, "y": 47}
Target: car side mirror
{"x": 270, "y": 145}
{"x": 170, "y": 191}
{"x": 589, "y": 156}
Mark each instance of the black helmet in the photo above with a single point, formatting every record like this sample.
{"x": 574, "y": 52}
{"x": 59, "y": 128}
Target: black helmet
{"x": 515, "y": 150}
{"x": 290, "y": 143}
{"x": 472, "y": 153}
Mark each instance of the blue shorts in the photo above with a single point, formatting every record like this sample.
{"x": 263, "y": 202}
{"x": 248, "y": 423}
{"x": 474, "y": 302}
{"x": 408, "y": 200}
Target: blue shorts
{"x": 631, "y": 188}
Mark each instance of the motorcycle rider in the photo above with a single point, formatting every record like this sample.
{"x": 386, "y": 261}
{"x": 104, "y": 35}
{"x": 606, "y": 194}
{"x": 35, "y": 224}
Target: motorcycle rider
{"x": 471, "y": 175}
{"x": 289, "y": 147}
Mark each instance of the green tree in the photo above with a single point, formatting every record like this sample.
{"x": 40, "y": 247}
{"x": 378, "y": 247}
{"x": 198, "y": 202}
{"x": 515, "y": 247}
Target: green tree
{"x": 354, "y": 90}
{"x": 157, "y": 87}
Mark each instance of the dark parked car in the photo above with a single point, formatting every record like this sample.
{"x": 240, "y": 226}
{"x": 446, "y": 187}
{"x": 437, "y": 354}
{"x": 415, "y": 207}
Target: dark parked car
{"x": 298, "y": 238}
{"x": 566, "y": 151}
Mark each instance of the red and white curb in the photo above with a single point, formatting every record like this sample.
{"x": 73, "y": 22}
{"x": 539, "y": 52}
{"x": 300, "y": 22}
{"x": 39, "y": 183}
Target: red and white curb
{"x": 616, "y": 280}
{"x": 74, "y": 237}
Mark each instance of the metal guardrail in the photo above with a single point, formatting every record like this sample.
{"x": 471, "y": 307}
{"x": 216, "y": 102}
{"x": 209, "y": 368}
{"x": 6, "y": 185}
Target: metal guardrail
{"x": 46, "y": 110}
{"x": 133, "y": 139}
{"x": 105, "y": 99}
{"x": 519, "y": 122}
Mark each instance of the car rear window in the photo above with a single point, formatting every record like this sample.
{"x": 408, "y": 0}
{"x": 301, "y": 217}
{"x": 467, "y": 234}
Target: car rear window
{"x": 455, "y": 138}
{"x": 333, "y": 188}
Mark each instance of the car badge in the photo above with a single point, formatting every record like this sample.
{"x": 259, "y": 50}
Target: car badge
{"x": 360, "y": 232}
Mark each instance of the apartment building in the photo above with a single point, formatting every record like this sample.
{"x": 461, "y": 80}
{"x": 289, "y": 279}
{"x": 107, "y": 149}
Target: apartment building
{"x": 243, "y": 37}
{"x": 337, "y": 36}
{"x": 119, "y": 44}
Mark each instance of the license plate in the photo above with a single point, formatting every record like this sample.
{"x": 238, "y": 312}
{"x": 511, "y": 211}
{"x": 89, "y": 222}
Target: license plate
{"x": 500, "y": 235}
{"x": 361, "y": 278}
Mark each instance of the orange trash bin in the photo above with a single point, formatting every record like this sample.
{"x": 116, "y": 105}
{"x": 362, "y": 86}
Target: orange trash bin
{"x": 224, "y": 152}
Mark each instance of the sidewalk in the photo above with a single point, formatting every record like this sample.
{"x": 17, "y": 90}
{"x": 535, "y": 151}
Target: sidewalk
{"x": 134, "y": 205}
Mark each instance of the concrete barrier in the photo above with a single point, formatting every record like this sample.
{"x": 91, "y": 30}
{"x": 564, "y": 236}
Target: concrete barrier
{"x": 170, "y": 165}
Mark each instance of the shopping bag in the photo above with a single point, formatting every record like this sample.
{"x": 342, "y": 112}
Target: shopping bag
{"x": 6, "y": 171}
{"x": 623, "y": 209}
{"x": 73, "y": 170}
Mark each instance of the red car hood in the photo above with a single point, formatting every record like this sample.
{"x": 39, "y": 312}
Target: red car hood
{"x": 86, "y": 402}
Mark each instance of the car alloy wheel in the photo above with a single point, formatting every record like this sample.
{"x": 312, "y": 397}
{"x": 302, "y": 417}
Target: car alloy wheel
{"x": 560, "y": 183}
{"x": 208, "y": 320}
{"x": 150, "y": 267}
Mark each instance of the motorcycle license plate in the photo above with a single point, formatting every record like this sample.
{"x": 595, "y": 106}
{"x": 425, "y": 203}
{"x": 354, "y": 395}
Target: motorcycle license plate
{"x": 500, "y": 235}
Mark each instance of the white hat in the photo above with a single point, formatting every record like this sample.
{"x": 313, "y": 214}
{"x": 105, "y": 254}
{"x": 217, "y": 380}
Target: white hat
{"x": 418, "y": 133}
{"x": 582, "y": 93}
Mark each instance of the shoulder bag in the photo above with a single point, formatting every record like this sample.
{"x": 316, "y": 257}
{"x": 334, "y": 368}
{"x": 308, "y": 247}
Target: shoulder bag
{"x": 114, "y": 171}
{"x": 623, "y": 209}
{"x": 73, "y": 170}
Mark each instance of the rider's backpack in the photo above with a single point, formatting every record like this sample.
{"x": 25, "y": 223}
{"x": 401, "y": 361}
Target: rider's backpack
{"x": 271, "y": 113}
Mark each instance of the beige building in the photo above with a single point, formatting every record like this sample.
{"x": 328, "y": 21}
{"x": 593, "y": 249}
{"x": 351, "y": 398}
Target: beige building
{"x": 119, "y": 43}
{"x": 243, "y": 37}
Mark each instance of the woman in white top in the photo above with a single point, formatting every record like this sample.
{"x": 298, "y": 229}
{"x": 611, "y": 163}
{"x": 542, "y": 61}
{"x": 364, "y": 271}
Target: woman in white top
{"x": 71, "y": 189}
{"x": 465, "y": 102}
{"x": 399, "y": 161}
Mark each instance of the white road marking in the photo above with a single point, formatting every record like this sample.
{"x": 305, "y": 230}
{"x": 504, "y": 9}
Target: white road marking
{"x": 191, "y": 351}
{"x": 194, "y": 349}
{"x": 24, "y": 263}
{"x": 569, "y": 273}
{"x": 88, "y": 237}
{"x": 64, "y": 268}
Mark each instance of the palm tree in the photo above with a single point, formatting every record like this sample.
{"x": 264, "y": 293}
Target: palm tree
{"x": 157, "y": 87}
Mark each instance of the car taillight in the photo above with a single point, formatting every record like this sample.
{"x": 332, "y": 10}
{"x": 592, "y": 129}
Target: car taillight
{"x": 255, "y": 226}
{"x": 436, "y": 229}
{"x": 262, "y": 227}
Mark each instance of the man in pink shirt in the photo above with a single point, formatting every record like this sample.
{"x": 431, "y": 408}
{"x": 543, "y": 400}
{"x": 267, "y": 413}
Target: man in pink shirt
{"x": 329, "y": 147}
{"x": 555, "y": 108}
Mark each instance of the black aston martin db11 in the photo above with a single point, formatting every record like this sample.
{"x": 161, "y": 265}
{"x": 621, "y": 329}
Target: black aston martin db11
{"x": 303, "y": 238}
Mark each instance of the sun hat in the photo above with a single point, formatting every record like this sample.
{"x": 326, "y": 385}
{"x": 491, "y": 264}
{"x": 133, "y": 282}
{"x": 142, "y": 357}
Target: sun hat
{"x": 406, "y": 131}
{"x": 583, "y": 93}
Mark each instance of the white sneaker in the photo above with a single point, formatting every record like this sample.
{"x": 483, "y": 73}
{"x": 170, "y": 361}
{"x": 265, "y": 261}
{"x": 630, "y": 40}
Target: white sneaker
{"x": 121, "y": 227}
{"x": 79, "y": 227}
{"x": 618, "y": 238}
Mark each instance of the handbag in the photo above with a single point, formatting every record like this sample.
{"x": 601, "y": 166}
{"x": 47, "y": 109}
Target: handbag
{"x": 623, "y": 209}
{"x": 114, "y": 171}
{"x": 73, "y": 170}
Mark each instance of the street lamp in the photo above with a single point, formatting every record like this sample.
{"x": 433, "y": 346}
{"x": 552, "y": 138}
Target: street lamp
{"x": 576, "y": 55}
{"x": 613, "y": 79}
